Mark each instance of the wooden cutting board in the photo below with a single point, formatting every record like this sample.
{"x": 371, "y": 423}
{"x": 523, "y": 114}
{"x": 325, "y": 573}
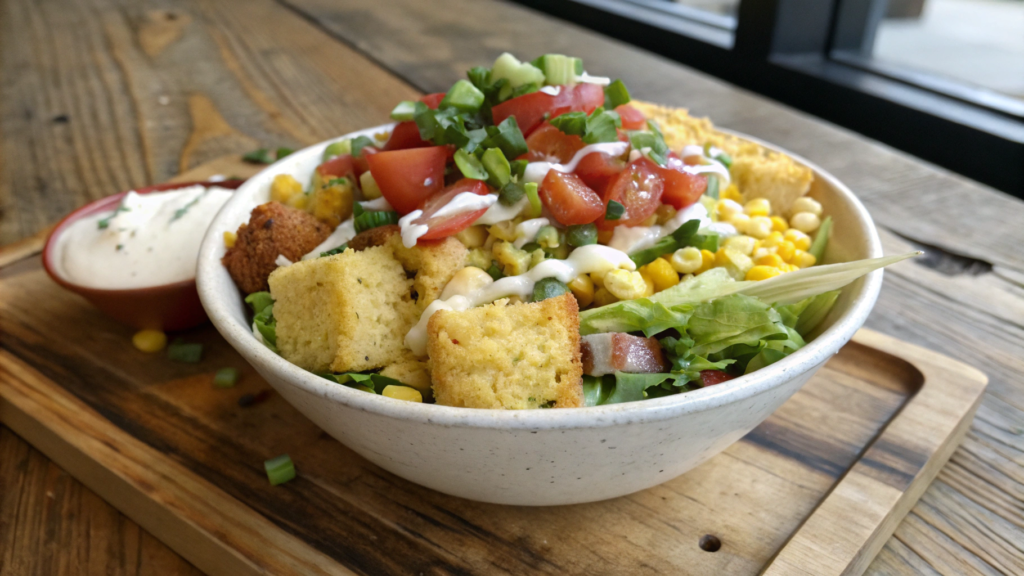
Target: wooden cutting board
{"x": 816, "y": 489}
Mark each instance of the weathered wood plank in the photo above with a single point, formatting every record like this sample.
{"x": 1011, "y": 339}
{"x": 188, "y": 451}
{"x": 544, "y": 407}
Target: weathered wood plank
{"x": 51, "y": 524}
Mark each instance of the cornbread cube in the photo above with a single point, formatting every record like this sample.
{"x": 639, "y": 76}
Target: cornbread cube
{"x": 434, "y": 263}
{"x": 346, "y": 312}
{"x": 410, "y": 371}
{"x": 511, "y": 356}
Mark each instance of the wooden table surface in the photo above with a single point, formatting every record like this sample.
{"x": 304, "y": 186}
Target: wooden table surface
{"x": 103, "y": 95}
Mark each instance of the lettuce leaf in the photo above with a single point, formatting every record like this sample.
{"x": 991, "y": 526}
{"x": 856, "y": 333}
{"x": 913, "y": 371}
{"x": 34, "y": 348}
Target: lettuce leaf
{"x": 263, "y": 306}
{"x": 372, "y": 383}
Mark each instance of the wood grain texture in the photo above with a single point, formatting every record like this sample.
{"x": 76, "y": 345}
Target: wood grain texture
{"x": 753, "y": 497}
{"x": 51, "y": 524}
{"x": 86, "y": 108}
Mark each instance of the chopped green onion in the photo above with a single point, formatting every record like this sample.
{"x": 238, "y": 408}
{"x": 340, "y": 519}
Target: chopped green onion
{"x": 535, "y": 206}
{"x": 335, "y": 149}
{"x": 258, "y": 156}
{"x": 259, "y": 301}
{"x": 614, "y": 211}
{"x": 498, "y": 169}
{"x": 817, "y": 248}
{"x": 531, "y": 246}
{"x": 105, "y": 223}
{"x": 640, "y": 139}
{"x": 685, "y": 235}
{"x": 494, "y": 271}
{"x": 404, "y": 111}
{"x": 357, "y": 209}
{"x": 464, "y": 96}
{"x": 525, "y": 89}
{"x": 282, "y": 152}
{"x": 180, "y": 351}
{"x": 511, "y": 193}
{"x": 359, "y": 143}
{"x": 725, "y": 159}
{"x": 333, "y": 251}
{"x": 548, "y": 288}
{"x": 549, "y": 237}
{"x": 615, "y": 94}
{"x": 602, "y": 126}
{"x": 470, "y": 165}
{"x": 518, "y": 168}
{"x": 581, "y": 235}
{"x": 376, "y": 219}
{"x": 280, "y": 469}
{"x": 479, "y": 76}
{"x": 712, "y": 190}
{"x": 225, "y": 378}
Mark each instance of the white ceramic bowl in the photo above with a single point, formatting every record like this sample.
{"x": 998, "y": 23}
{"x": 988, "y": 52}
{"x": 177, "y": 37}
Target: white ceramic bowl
{"x": 539, "y": 457}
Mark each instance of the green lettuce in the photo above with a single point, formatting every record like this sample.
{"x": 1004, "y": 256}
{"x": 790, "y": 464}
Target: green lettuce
{"x": 263, "y": 308}
{"x": 372, "y": 383}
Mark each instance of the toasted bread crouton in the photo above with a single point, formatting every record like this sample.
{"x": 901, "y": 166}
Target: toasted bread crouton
{"x": 757, "y": 171}
{"x": 346, "y": 312}
{"x": 273, "y": 230}
{"x": 378, "y": 236}
{"x": 511, "y": 356}
{"x": 410, "y": 371}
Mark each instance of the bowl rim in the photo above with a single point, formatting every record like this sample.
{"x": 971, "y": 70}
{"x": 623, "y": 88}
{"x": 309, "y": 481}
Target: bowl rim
{"x": 761, "y": 381}
{"x": 104, "y": 204}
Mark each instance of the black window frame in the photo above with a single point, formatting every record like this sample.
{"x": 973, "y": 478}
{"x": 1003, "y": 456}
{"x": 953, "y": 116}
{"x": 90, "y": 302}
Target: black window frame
{"x": 812, "y": 55}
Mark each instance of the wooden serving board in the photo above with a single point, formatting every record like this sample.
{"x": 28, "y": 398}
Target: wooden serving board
{"x": 816, "y": 489}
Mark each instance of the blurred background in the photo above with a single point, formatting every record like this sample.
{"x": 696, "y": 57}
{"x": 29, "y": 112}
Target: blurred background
{"x": 940, "y": 79}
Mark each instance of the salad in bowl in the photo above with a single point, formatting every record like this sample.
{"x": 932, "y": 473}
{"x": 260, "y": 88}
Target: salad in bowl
{"x": 533, "y": 238}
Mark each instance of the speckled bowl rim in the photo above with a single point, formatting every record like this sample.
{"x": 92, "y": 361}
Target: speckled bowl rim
{"x": 218, "y": 307}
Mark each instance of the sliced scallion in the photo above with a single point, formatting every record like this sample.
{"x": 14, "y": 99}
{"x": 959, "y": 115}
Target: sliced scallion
{"x": 712, "y": 191}
{"x": 499, "y": 171}
{"x": 470, "y": 165}
{"x": 511, "y": 193}
{"x": 181, "y": 351}
{"x": 375, "y": 219}
{"x": 535, "y": 206}
{"x": 614, "y": 211}
{"x": 225, "y": 377}
{"x": 404, "y": 111}
{"x": 615, "y": 94}
{"x": 464, "y": 96}
{"x": 359, "y": 143}
{"x": 280, "y": 469}
{"x": 581, "y": 235}
{"x": 334, "y": 251}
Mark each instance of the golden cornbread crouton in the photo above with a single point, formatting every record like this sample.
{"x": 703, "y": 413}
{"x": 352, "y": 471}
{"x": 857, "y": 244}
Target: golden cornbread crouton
{"x": 757, "y": 171}
{"x": 345, "y": 313}
{"x": 410, "y": 371}
{"x": 511, "y": 356}
{"x": 433, "y": 262}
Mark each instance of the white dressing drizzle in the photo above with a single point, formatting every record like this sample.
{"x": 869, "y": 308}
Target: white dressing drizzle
{"x": 551, "y": 90}
{"x": 466, "y": 202}
{"x": 526, "y": 231}
{"x": 536, "y": 171}
{"x": 412, "y": 232}
{"x": 630, "y": 239}
{"x": 380, "y": 204}
{"x": 498, "y": 212}
{"x": 583, "y": 260}
{"x": 588, "y": 79}
{"x": 343, "y": 233}
{"x": 713, "y": 166}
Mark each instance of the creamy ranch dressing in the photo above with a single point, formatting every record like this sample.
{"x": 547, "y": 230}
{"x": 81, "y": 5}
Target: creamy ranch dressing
{"x": 343, "y": 233}
{"x": 713, "y": 167}
{"x": 462, "y": 203}
{"x": 583, "y": 260}
{"x": 150, "y": 240}
{"x": 631, "y": 239}
{"x": 526, "y": 231}
{"x": 536, "y": 171}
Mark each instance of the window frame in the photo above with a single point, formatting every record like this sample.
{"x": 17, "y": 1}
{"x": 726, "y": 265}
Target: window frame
{"x": 810, "y": 54}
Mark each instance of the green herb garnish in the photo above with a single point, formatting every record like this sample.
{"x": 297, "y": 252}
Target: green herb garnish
{"x": 280, "y": 469}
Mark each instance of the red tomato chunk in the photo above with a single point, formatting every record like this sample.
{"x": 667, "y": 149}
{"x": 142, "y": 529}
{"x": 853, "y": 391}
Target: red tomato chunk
{"x": 408, "y": 177}
{"x": 569, "y": 200}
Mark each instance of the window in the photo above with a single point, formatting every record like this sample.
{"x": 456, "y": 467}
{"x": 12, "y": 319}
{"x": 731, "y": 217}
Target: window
{"x": 890, "y": 69}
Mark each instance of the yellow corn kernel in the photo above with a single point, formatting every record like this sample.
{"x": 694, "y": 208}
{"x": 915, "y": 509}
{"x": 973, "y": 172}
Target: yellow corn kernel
{"x": 512, "y": 260}
{"x": 665, "y": 212}
{"x": 149, "y": 340}
{"x": 299, "y": 201}
{"x": 773, "y": 260}
{"x": 472, "y": 237}
{"x": 598, "y": 279}
{"x": 333, "y": 204}
{"x": 726, "y": 209}
{"x": 785, "y": 250}
{"x": 583, "y": 289}
{"x": 806, "y": 204}
{"x": 381, "y": 136}
{"x": 369, "y": 186}
{"x": 687, "y": 260}
{"x": 402, "y": 393}
{"x": 651, "y": 220}
{"x": 757, "y": 207}
{"x": 649, "y": 282}
{"x": 504, "y": 230}
{"x": 762, "y": 273}
{"x": 661, "y": 274}
{"x": 626, "y": 285}
{"x": 805, "y": 222}
{"x": 773, "y": 239}
{"x": 708, "y": 261}
{"x": 779, "y": 224}
{"x": 229, "y": 239}
{"x": 799, "y": 239}
{"x": 789, "y": 268}
{"x": 759, "y": 227}
{"x": 284, "y": 187}
{"x": 803, "y": 259}
{"x": 734, "y": 261}
{"x": 603, "y": 297}
{"x": 731, "y": 192}
{"x": 742, "y": 243}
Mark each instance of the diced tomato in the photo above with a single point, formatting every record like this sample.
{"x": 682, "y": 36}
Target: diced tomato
{"x": 597, "y": 169}
{"x": 432, "y": 100}
{"x": 569, "y": 200}
{"x": 638, "y": 188}
{"x": 406, "y": 135}
{"x": 547, "y": 143}
{"x": 408, "y": 177}
{"x": 530, "y": 109}
{"x": 446, "y": 226}
{"x": 712, "y": 377}
{"x": 337, "y": 167}
{"x": 632, "y": 119}
{"x": 359, "y": 163}
{"x": 681, "y": 188}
